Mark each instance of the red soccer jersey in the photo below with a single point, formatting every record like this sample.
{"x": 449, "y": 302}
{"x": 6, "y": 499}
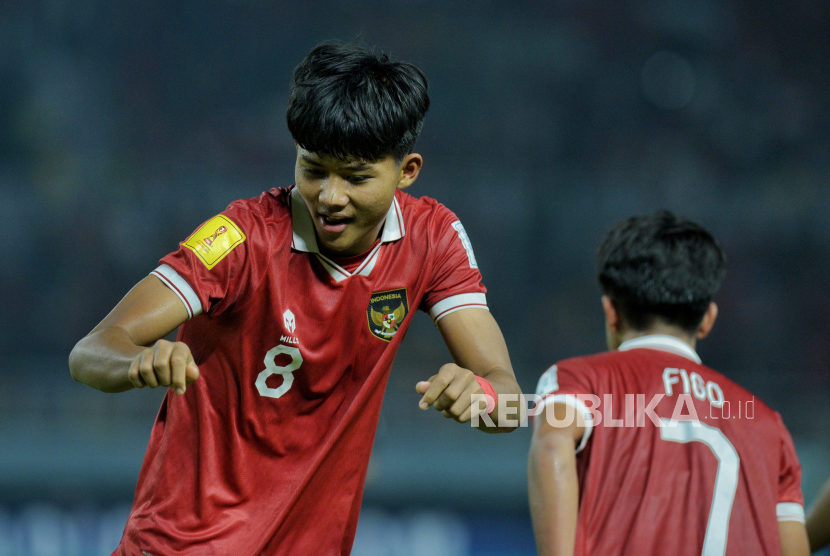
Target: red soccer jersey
{"x": 678, "y": 459}
{"x": 267, "y": 452}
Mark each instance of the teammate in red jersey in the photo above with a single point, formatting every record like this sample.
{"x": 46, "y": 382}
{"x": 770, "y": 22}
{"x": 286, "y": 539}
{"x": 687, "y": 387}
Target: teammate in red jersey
{"x": 291, "y": 307}
{"x": 645, "y": 451}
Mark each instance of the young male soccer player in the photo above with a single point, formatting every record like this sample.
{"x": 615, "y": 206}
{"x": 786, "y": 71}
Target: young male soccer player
{"x": 291, "y": 307}
{"x": 665, "y": 456}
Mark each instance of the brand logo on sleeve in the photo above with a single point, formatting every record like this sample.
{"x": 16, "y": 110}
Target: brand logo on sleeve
{"x": 214, "y": 240}
{"x": 465, "y": 241}
{"x": 386, "y": 312}
{"x": 549, "y": 383}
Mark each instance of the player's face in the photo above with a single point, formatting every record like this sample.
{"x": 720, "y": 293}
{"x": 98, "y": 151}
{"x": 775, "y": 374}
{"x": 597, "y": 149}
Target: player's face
{"x": 348, "y": 199}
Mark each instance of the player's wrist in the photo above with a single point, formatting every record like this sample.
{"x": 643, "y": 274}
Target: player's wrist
{"x": 489, "y": 393}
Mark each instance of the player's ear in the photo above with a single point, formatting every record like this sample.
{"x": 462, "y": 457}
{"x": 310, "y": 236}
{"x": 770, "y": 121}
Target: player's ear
{"x": 612, "y": 317}
{"x": 410, "y": 167}
{"x": 708, "y": 321}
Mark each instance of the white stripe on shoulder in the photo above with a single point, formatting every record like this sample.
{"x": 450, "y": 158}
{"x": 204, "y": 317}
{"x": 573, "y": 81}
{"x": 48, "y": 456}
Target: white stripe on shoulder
{"x": 181, "y": 288}
{"x": 790, "y": 511}
{"x": 578, "y": 405}
{"x": 456, "y": 303}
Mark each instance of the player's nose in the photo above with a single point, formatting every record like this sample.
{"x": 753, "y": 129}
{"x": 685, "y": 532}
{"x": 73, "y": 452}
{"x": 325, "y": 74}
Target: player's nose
{"x": 333, "y": 192}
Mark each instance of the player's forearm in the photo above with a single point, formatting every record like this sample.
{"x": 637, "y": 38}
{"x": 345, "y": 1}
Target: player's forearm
{"x": 102, "y": 360}
{"x": 553, "y": 493}
{"x": 818, "y": 520}
{"x": 793, "y": 538}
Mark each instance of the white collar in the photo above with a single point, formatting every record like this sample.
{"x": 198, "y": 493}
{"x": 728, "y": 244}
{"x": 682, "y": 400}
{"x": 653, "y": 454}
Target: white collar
{"x": 662, "y": 342}
{"x": 305, "y": 238}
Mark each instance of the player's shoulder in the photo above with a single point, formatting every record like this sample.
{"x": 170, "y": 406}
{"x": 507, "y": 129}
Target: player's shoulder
{"x": 430, "y": 223}
{"x": 733, "y": 390}
{"x": 595, "y": 362}
{"x": 723, "y": 380}
{"x": 583, "y": 366}
{"x": 411, "y": 203}
{"x": 423, "y": 210}
{"x": 274, "y": 202}
{"x": 272, "y": 206}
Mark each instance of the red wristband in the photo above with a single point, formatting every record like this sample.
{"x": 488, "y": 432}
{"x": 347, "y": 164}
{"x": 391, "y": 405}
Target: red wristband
{"x": 489, "y": 393}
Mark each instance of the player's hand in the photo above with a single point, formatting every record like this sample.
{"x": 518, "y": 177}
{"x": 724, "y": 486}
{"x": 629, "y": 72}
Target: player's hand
{"x": 165, "y": 364}
{"x": 451, "y": 392}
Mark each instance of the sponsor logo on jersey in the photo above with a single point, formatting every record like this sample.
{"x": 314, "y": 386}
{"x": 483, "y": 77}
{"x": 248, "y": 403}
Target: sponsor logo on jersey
{"x": 214, "y": 240}
{"x": 289, "y": 321}
{"x": 386, "y": 312}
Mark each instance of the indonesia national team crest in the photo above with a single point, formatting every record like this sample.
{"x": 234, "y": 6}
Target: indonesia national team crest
{"x": 386, "y": 313}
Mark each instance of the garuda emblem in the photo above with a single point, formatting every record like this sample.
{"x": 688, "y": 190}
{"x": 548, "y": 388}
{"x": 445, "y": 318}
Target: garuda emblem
{"x": 386, "y": 312}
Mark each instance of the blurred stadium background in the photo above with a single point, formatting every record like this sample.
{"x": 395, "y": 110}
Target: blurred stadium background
{"x": 125, "y": 124}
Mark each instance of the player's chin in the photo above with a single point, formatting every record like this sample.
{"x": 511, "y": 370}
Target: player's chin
{"x": 342, "y": 244}
{"x": 337, "y": 246}
{"x": 339, "y": 241}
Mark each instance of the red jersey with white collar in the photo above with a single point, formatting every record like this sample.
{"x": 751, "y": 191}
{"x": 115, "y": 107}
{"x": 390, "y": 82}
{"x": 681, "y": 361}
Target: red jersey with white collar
{"x": 676, "y": 458}
{"x": 267, "y": 452}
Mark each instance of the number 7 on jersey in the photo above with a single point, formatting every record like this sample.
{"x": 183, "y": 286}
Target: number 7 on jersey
{"x": 726, "y": 480}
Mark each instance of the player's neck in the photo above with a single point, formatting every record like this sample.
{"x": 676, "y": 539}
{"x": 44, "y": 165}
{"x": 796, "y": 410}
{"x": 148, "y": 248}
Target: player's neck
{"x": 658, "y": 328}
{"x": 336, "y": 256}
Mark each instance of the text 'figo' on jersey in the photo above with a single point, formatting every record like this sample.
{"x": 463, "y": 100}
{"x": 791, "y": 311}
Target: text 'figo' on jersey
{"x": 267, "y": 452}
{"x": 675, "y": 458}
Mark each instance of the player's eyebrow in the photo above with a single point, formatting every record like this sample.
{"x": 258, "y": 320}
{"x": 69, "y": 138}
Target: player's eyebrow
{"x": 355, "y": 166}
{"x": 358, "y": 166}
{"x": 307, "y": 159}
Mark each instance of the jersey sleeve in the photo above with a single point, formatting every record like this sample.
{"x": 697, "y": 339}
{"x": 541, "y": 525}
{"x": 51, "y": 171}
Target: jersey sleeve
{"x": 221, "y": 263}
{"x": 562, "y": 383}
{"x": 790, "y": 505}
{"x": 455, "y": 282}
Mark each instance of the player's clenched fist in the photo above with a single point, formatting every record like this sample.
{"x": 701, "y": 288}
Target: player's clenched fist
{"x": 451, "y": 392}
{"x": 165, "y": 364}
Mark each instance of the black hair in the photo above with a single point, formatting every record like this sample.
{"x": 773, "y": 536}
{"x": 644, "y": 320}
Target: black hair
{"x": 660, "y": 266}
{"x": 348, "y": 102}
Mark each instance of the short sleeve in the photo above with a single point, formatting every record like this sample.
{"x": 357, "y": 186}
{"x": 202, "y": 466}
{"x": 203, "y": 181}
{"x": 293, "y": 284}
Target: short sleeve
{"x": 790, "y": 505}
{"x": 563, "y": 384}
{"x": 455, "y": 282}
{"x": 221, "y": 263}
